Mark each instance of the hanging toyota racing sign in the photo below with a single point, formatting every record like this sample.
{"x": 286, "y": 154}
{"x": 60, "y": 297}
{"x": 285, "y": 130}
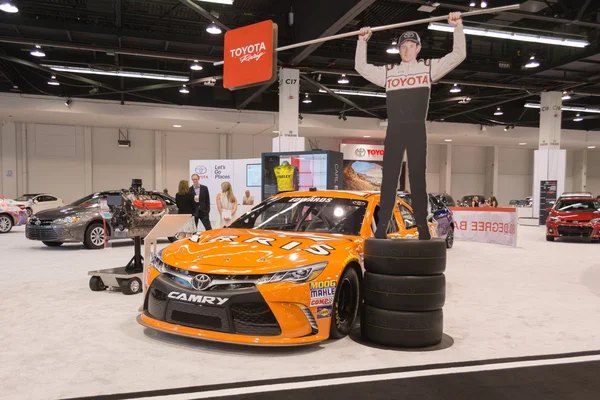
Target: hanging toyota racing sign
{"x": 250, "y": 55}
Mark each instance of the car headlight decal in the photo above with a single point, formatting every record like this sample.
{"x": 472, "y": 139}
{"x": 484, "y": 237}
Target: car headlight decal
{"x": 302, "y": 274}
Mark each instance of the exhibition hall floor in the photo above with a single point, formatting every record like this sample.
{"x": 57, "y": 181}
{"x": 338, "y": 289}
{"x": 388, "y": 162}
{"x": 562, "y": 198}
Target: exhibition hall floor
{"x": 507, "y": 308}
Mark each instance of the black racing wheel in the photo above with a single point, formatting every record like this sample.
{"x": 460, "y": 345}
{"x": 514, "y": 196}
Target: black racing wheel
{"x": 345, "y": 304}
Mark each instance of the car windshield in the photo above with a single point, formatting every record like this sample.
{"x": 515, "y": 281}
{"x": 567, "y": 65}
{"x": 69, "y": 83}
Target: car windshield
{"x": 577, "y": 205}
{"x": 87, "y": 201}
{"x": 26, "y": 197}
{"x": 306, "y": 214}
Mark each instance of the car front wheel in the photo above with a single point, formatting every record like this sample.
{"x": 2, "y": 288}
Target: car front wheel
{"x": 94, "y": 237}
{"x": 6, "y": 223}
{"x": 450, "y": 238}
{"x": 345, "y": 304}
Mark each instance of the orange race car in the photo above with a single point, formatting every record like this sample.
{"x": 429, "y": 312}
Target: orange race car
{"x": 288, "y": 272}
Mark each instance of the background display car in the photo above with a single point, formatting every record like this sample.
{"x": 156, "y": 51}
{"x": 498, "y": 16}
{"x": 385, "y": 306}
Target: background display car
{"x": 467, "y": 200}
{"x": 574, "y": 217}
{"x": 288, "y": 272}
{"x": 445, "y": 198}
{"x": 11, "y": 215}
{"x": 79, "y": 222}
{"x": 33, "y": 203}
{"x": 438, "y": 212}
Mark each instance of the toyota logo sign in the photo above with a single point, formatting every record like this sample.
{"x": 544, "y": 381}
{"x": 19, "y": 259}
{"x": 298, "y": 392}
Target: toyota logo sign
{"x": 201, "y": 170}
{"x": 201, "y": 281}
{"x": 360, "y": 152}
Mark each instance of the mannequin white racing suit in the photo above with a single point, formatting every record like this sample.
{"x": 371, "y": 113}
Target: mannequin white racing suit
{"x": 408, "y": 86}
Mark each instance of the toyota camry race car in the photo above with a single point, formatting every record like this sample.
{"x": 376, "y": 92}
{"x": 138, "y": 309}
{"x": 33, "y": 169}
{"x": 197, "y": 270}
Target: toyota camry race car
{"x": 288, "y": 272}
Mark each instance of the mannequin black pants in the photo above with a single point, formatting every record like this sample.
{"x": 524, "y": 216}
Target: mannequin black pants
{"x": 409, "y": 136}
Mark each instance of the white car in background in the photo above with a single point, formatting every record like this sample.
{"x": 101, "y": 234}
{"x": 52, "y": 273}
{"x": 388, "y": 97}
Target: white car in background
{"x": 33, "y": 203}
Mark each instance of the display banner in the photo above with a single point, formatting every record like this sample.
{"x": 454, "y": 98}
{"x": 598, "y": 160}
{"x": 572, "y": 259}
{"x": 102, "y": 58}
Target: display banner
{"x": 249, "y": 56}
{"x": 363, "y": 167}
{"x": 362, "y": 152}
{"x": 486, "y": 225}
{"x": 547, "y": 198}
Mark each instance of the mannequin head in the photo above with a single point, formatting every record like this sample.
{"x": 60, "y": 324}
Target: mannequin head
{"x": 410, "y": 45}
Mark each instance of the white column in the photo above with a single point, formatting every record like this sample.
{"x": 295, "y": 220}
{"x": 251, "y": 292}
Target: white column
{"x": 159, "y": 160}
{"x": 289, "y": 110}
{"x": 584, "y": 171}
{"x": 8, "y": 160}
{"x": 496, "y": 172}
{"x": 549, "y": 159}
{"x": 87, "y": 160}
{"x": 447, "y": 170}
{"x": 223, "y": 146}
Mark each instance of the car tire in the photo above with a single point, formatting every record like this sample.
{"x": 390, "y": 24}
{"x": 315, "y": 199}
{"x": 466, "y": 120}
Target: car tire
{"x": 401, "y": 328}
{"x": 6, "y": 223}
{"x": 550, "y": 238}
{"x": 52, "y": 244}
{"x": 405, "y": 256}
{"x": 345, "y": 304}
{"x": 92, "y": 236}
{"x": 130, "y": 286}
{"x": 29, "y": 212}
{"x": 404, "y": 293}
{"x": 96, "y": 284}
{"x": 450, "y": 238}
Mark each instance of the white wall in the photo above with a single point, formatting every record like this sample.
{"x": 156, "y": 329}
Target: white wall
{"x": 593, "y": 172}
{"x": 434, "y": 155}
{"x": 468, "y": 171}
{"x": 570, "y": 184}
{"x": 515, "y": 174}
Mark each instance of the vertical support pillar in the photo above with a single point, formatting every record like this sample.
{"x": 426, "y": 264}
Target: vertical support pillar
{"x": 223, "y": 146}
{"x": 496, "y": 172}
{"x": 289, "y": 110}
{"x": 8, "y": 160}
{"x": 447, "y": 170}
{"x": 87, "y": 160}
{"x": 159, "y": 161}
{"x": 549, "y": 159}
{"x": 584, "y": 168}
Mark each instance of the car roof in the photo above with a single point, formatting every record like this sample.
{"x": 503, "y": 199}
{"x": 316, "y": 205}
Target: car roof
{"x": 583, "y": 198}
{"x": 331, "y": 193}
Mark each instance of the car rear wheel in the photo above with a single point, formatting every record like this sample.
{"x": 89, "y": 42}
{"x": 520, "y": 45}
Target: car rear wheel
{"x": 345, "y": 304}
{"x": 6, "y": 223}
{"x": 53, "y": 244}
{"x": 94, "y": 237}
{"x": 550, "y": 238}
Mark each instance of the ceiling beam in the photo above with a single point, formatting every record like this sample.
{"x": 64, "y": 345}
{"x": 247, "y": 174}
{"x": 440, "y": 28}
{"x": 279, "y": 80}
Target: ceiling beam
{"x": 325, "y": 8}
{"x": 254, "y": 95}
{"x": 204, "y": 13}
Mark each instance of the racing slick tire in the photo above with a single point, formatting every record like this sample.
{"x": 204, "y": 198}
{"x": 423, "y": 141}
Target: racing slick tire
{"x": 450, "y": 238}
{"x": 405, "y": 256}
{"x": 345, "y": 304}
{"x": 92, "y": 236}
{"x": 404, "y": 293}
{"x": 52, "y": 244}
{"x": 96, "y": 284}
{"x": 6, "y": 223}
{"x": 550, "y": 238}
{"x": 130, "y": 286}
{"x": 401, "y": 328}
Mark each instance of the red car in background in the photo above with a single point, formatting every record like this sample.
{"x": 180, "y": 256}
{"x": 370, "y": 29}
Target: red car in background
{"x": 574, "y": 217}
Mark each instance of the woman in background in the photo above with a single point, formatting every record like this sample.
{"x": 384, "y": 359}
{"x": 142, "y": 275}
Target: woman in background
{"x": 185, "y": 205}
{"x": 226, "y": 204}
{"x": 492, "y": 202}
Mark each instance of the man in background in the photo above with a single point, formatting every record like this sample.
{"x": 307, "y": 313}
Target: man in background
{"x": 201, "y": 202}
{"x": 248, "y": 199}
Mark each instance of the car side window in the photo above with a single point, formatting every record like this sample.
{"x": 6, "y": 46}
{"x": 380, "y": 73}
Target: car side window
{"x": 392, "y": 225}
{"x": 168, "y": 201}
{"x": 43, "y": 199}
{"x": 408, "y": 217}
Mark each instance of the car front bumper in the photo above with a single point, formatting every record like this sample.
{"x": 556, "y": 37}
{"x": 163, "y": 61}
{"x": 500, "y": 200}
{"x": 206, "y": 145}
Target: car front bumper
{"x": 52, "y": 233}
{"x": 572, "y": 229}
{"x": 277, "y": 314}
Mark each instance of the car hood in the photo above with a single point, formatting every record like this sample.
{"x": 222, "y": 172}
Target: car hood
{"x": 62, "y": 212}
{"x": 577, "y": 216}
{"x": 242, "y": 251}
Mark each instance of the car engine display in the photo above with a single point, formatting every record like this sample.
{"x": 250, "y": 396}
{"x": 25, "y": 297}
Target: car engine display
{"x": 135, "y": 211}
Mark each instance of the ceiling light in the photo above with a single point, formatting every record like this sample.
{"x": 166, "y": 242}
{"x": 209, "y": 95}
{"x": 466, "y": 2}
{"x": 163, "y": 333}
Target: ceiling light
{"x": 465, "y": 100}
{"x": 68, "y": 102}
{"x": 184, "y": 90}
{"x": 9, "y": 7}
{"x": 275, "y": 131}
{"x": 355, "y": 93}
{"x": 195, "y": 66}
{"x": 532, "y": 63}
{"x": 124, "y": 74}
{"x": 307, "y": 99}
{"x": 393, "y": 49}
{"x": 591, "y": 147}
{"x": 522, "y": 144}
{"x": 37, "y": 52}
{"x": 512, "y": 36}
{"x": 367, "y": 136}
{"x": 343, "y": 80}
{"x": 53, "y": 81}
{"x": 568, "y": 108}
{"x": 505, "y": 128}
{"x": 448, "y": 140}
{"x": 227, "y": 2}
{"x": 472, "y": 4}
{"x": 176, "y": 126}
{"x": 213, "y": 29}
{"x": 483, "y": 4}
{"x": 578, "y": 118}
{"x": 566, "y": 96}
{"x": 498, "y": 111}
{"x": 455, "y": 89}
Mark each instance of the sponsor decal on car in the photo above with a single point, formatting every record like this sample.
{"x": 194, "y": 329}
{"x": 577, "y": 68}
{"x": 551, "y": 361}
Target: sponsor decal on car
{"x": 310, "y": 199}
{"x": 324, "y": 312}
{"x": 193, "y": 298}
{"x": 322, "y": 293}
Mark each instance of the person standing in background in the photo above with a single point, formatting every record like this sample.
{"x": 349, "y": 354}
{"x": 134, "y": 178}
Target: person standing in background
{"x": 492, "y": 202}
{"x": 201, "y": 202}
{"x": 185, "y": 205}
{"x": 475, "y": 201}
{"x": 226, "y": 203}
{"x": 248, "y": 199}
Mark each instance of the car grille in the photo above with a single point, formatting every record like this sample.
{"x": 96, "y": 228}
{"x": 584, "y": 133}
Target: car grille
{"x": 42, "y": 232}
{"x": 575, "y": 230}
{"x": 254, "y": 318}
{"x": 227, "y": 282}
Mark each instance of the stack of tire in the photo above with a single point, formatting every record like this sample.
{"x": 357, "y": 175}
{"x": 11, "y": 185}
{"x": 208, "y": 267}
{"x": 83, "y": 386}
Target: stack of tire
{"x": 404, "y": 292}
